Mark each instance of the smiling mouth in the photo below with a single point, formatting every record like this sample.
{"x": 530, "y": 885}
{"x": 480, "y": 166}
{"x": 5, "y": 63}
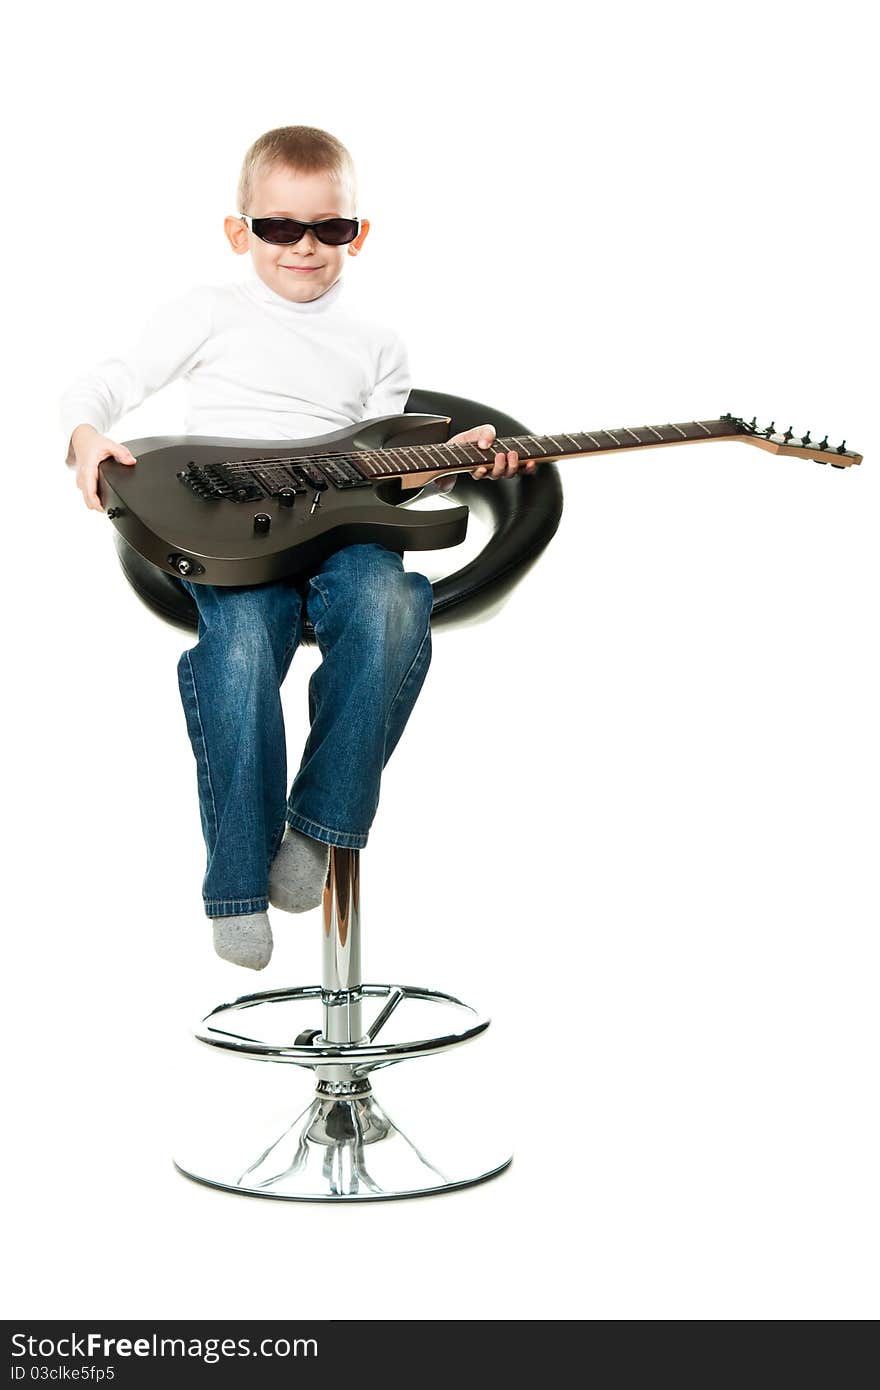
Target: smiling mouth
{"x": 301, "y": 267}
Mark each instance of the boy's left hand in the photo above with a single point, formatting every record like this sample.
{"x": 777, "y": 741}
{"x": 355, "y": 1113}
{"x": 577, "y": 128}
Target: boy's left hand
{"x": 505, "y": 465}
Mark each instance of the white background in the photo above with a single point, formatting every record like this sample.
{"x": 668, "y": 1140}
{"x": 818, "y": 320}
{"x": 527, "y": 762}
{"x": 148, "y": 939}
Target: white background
{"x": 634, "y": 815}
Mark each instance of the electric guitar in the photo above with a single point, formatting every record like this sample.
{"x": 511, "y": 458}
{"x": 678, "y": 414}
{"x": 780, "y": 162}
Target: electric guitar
{"x": 244, "y": 511}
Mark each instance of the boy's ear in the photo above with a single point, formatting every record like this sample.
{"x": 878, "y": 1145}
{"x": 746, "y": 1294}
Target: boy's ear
{"x": 355, "y": 246}
{"x": 236, "y": 234}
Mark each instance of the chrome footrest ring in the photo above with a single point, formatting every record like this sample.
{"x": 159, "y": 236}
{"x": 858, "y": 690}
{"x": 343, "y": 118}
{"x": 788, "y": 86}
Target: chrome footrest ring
{"x": 270, "y": 1007}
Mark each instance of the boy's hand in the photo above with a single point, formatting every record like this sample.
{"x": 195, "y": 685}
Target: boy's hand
{"x": 89, "y": 448}
{"x": 505, "y": 465}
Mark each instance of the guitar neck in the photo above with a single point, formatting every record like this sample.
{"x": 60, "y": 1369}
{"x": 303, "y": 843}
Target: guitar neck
{"x": 403, "y": 461}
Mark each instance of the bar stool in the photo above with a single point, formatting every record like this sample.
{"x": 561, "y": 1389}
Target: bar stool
{"x": 343, "y": 1146}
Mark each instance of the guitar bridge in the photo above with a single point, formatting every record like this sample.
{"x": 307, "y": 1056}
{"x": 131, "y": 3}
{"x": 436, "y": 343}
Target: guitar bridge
{"x": 222, "y": 481}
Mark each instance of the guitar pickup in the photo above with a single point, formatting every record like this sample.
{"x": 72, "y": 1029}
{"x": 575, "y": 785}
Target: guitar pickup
{"x": 314, "y": 474}
{"x": 339, "y": 472}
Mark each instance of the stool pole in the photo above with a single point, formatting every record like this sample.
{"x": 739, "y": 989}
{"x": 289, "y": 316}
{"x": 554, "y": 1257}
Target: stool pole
{"x": 342, "y": 948}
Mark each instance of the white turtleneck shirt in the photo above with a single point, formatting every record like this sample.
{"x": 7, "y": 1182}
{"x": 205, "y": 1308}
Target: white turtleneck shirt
{"x": 256, "y": 366}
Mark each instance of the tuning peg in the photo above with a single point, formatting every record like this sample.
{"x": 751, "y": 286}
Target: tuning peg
{"x": 753, "y": 422}
{"x": 806, "y": 438}
{"x": 771, "y": 428}
{"x": 788, "y": 434}
{"x": 823, "y": 443}
{"x": 842, "y": 449}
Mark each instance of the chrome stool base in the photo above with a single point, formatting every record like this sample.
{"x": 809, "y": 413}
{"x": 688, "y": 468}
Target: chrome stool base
{"x": 342, "y": 1146}
{"x": 339, "y": 1149}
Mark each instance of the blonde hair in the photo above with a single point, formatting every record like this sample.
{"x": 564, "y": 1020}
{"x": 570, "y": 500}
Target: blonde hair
{"x": 303, "y": 148}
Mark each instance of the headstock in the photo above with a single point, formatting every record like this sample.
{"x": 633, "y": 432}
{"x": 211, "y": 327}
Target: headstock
{"x": 789, "y": 443}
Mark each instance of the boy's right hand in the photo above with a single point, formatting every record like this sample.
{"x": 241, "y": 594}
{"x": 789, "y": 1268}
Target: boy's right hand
{"x": 89, "y": 448}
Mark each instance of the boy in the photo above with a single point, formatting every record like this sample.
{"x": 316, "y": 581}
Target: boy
{"x": 281, "y": 357}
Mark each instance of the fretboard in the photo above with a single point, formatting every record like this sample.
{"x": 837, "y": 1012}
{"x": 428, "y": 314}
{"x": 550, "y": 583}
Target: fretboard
{"x": 397, "y": 461}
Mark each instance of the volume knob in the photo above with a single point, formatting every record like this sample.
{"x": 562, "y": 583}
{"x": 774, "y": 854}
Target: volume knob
{"x": 262, "y": 522}
{"x": 286, "y": 497}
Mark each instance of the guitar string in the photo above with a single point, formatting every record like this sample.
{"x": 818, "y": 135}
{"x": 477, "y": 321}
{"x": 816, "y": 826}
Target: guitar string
{"x": 252, "y": 464}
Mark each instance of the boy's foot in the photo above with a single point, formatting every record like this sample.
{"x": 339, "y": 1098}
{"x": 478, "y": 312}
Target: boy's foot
{"x": 244, "y": 940}
{"x": 298, "y": 872}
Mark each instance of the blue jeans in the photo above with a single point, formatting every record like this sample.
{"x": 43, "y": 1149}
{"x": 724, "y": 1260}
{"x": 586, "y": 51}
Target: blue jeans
{"x": 372, "y": 622}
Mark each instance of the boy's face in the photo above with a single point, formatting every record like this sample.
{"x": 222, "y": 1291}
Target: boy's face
{"x": 308, "y": 198}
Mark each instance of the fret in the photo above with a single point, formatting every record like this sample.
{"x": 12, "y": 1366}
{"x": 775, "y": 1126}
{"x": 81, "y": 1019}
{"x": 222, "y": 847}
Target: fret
{"x": 447, "y": 452}
{"x": 500, "y": 445}
{"x": 432, "y": 449}
{"x": 412, "y": 457}
{"x": 535, "y": 440}
{"x": 364, "y": 465}
{"x": 680, "y": 430}
{"x": 393, "y": 462}
{"x": 642, "y": 435}
{"x": 396, "y": 459}
{"x": 613, "y": 436}
{"x": 560, "y": 447}
{"x": 651, "y": 436}
{"x": 703, "y": 427}
{"x": 606, "y": 434}
{"x": 379, "y": 464}
{"x": 462, "y": 449}
{"x": 573, "y": 439}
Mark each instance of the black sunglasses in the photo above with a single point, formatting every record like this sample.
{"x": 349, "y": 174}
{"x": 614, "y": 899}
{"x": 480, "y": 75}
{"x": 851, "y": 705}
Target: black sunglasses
{"x": 284, "y": 231}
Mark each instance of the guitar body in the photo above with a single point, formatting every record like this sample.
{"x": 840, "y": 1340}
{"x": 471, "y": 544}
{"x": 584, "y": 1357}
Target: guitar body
{"x": 258, "y": 537}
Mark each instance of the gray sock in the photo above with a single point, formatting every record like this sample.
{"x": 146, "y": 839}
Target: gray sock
{"x": 244, "y": 940}
{"x": 298, "y": 872}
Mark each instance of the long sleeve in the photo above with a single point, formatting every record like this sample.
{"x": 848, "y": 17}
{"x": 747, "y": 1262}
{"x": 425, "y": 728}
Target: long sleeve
{"x": 168, "y": 346}
{"x": 391, "y": 393}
